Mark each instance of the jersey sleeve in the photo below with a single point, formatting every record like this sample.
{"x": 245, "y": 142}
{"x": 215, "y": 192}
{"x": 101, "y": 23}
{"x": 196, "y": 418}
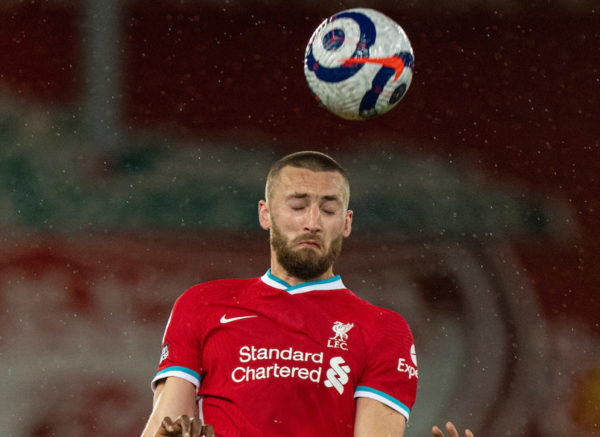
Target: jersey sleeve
{"x": 391, "y": 374}
{"x": 181, "y": 344}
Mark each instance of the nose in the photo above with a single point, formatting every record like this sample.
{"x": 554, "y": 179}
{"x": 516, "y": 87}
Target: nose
{"x": 313, "y": 219}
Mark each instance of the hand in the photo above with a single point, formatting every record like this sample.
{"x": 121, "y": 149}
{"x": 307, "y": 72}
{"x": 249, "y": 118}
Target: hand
{"x": 184, "y": 426}
{"x": 452, "y": 432}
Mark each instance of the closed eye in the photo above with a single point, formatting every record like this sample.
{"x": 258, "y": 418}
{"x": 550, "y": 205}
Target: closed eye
{"x": 329, "y": 207}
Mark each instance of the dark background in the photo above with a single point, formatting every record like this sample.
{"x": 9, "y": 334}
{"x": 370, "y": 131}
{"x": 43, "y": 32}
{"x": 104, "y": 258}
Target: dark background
{"x": 508, "y": 91}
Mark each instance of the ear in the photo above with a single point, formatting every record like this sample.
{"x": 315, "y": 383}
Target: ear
{"x": 264, "y": 215}
{"x": 348, "y": 223}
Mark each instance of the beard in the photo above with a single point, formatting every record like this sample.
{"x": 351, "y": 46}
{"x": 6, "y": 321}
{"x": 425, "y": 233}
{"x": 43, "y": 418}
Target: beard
{"x": 304, "y": 263}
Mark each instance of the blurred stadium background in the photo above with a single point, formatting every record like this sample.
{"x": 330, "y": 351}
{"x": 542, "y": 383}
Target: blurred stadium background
{"x": 134, "y": 141}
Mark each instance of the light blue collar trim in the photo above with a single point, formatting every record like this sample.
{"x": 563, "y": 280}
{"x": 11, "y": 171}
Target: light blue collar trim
{"x": 334, "y": 283}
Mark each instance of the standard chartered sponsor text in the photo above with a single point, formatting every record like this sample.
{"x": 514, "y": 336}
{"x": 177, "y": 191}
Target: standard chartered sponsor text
{"x": 251, "y": 354}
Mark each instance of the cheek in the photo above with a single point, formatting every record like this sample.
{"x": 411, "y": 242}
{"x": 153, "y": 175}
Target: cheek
{"x": 336, "y": 226}
{"x": 287, "y": 221}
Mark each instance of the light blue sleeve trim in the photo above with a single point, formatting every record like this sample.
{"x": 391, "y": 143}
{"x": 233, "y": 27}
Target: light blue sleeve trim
{"x": 180, "y": 372}
{"x": 368, "y": 392}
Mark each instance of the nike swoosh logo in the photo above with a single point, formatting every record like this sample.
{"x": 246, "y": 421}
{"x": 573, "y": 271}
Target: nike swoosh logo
{"x": 394, "y": 62}
{"x": 224, "y": 319}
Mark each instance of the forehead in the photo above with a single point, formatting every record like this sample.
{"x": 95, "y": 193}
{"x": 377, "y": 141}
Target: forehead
{"x": 303, "y": 181}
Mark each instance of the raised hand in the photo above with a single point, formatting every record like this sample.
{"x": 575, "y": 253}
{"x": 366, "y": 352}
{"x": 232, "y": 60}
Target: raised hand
{"x": 452, "y": 432}
{"x": 184, "y": 426}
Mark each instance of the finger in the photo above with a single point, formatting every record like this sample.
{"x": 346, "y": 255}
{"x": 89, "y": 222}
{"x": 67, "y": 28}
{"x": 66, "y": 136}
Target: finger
{"x": 437, "y": 432}
{"x": 208, "y": 431}
{"x": 452, "y": 432}
{"x": 468, "y": 433}
{"x": 168, "y": 425}
{"x": 186, "y": 426}
{"x": 196, "y": 427}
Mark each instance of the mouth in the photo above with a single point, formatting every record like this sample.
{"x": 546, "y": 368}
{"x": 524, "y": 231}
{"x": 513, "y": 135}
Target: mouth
{"x": 309, "y": 244}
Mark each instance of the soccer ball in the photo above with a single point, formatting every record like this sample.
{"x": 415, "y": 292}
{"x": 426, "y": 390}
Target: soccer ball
{"x": 358, "y": 63}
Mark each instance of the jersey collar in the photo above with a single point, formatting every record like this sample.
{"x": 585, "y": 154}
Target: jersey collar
{"x": 334, "y": 283}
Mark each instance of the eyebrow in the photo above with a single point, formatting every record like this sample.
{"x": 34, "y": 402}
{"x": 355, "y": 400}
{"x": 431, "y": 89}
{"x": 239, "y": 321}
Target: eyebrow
{"x": 297, "y": 196}
{"x": 325, "y": 198}
{"x": 329, "y": 198}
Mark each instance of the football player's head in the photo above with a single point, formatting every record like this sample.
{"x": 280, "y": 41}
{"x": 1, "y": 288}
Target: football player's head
{"x": 306, "y": 212}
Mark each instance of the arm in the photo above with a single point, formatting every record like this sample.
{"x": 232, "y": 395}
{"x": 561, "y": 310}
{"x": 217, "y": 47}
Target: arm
{"x": 173, "y": 398}
{"x": 374, "y": 419}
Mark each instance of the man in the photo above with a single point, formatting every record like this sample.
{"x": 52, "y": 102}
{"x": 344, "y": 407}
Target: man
{"x": 294, "y": 352}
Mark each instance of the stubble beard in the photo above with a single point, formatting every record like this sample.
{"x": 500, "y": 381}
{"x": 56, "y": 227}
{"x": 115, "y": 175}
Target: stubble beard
{"x": 304, "y": 263}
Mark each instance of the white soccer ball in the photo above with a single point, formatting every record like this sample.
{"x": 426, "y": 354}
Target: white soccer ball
{"x": 358, "y": 63}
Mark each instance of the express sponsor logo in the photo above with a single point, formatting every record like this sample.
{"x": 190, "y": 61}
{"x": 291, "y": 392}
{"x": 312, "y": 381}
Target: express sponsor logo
{"x": 404, "y": 367}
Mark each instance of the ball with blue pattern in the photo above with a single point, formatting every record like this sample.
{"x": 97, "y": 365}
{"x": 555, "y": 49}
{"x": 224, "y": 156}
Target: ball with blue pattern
{"x": 359, "y": 63}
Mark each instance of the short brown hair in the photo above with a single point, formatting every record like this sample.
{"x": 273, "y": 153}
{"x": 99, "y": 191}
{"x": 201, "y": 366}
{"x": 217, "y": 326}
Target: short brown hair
{"x": 310, "y": 160}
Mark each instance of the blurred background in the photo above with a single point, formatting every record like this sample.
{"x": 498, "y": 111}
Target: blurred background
{"x": 135, "y": 137}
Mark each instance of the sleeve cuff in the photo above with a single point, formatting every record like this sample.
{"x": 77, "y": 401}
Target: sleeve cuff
{"x": 179, "y": 372}
{"x": 368, "y": 392}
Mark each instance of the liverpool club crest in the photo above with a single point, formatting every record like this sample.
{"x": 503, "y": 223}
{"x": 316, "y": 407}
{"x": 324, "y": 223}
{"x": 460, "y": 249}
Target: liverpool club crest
{"x": 339, "y": 340}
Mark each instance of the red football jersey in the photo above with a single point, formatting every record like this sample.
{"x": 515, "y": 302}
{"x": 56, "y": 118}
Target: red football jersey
{"x": 272, "y": 359}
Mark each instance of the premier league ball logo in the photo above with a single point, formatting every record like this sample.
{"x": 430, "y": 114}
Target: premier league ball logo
{"x": 359, "y": 63}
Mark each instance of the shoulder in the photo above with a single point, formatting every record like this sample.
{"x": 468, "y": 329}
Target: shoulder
{"x": 217, "y": 289}
{"x": 373, "y": 311}
{"x": 221, "y": 285}
{"x": 379, "y": 320}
